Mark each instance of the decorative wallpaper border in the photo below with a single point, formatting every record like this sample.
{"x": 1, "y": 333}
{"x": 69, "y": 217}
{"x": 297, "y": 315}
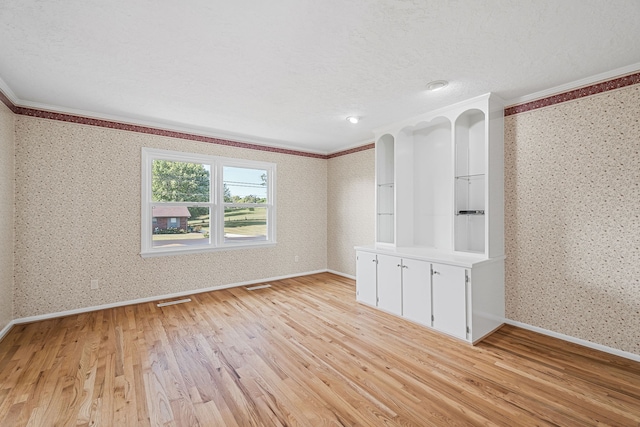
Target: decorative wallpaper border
{"x": 63, "y": 117}
{"x": 604, "y": 86}
{"x": 6, "y": 101}
{"x": 593, "y": 89}
{"x": 155, "y": 131}
{"x": 352, "y": 150}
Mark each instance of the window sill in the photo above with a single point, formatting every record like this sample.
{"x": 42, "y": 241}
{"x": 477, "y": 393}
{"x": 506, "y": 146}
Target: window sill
{"x": 153, "y": 253}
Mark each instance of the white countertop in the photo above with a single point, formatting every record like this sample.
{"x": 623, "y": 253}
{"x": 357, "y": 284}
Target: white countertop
{"x": 430, "y": 254}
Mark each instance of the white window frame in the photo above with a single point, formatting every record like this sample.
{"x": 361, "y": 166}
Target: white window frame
{"x": 216, "y": 203}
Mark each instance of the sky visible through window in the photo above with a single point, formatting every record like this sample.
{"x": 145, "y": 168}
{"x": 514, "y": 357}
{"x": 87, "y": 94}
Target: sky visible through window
{"x": 243, "y": 182}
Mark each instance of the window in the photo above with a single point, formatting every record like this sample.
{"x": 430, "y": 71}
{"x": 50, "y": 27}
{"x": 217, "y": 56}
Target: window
{"x": 197, "y": 203}
{"x": 245, "y": 203}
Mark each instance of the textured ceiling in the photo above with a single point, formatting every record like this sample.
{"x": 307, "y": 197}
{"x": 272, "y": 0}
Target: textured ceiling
{"x": 288, "y": 72}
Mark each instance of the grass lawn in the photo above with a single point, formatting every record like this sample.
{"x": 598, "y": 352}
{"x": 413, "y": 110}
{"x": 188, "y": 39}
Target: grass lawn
{"x": 246, "y": 221}
{"x": 242, "y": 221}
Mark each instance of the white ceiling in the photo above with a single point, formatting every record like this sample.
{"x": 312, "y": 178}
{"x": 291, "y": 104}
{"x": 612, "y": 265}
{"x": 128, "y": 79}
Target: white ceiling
{"x": 288, "y": 72}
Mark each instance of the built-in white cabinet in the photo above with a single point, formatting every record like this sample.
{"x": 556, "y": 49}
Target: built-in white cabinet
{"x": 416, "y": 290}
{"x": 396, "y": 285}
{"x": 440, "y": 203}
{"x": 366, "y": 274}
{"x": 449, "y": 290}
{"x": 457, "y": 295}
{"x": 400, "y": 286}
{"x": 389, "y": 282}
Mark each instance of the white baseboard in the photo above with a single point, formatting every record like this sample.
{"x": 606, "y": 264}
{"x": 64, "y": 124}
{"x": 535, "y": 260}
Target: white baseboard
{"x": 337, "y": 273}
{"x": 585, "y": 343}
{"x": 153, "y": 298}
{"x": 6, "y": 329}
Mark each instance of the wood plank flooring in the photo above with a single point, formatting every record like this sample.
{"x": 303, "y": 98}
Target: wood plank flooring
{"x": 301, "y": 353}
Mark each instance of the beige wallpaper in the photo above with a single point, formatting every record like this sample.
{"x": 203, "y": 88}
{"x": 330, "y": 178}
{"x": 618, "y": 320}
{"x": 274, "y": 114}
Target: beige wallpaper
{"x": 573, "y": 218}
{"x": 7, "y": 179}
{"x": 351, "y": 208}
{"x": 78, "y": 218}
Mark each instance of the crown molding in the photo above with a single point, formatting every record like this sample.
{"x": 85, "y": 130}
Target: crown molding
{"x": 38, "y": 110}
{"x": 610, "y": 80}
{"x": 567, "y": 88}
{"x": 366, "y": 146}
{"x": 7, "y": 97}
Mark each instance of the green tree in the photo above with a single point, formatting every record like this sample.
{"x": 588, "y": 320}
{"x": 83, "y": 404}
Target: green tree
{"x": 181, "y": 182}
{"x": 250, "y": 199}
{"x": 227, "y": 193}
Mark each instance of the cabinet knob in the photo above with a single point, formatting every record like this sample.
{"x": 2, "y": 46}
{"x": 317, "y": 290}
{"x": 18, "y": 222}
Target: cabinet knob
{"x": 399, "y": 265}
{"x": 436, "y": 272}
{"x": 404, "y": 266}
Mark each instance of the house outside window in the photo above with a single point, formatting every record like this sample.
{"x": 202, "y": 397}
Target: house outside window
{"x": 165, "y": 217}
{"x": 198, "y": 203}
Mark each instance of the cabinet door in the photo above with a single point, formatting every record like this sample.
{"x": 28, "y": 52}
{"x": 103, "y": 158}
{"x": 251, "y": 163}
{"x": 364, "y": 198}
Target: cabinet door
{"x": 390, "y": 284}
{"x": 449, "y": 300}
{"x": 416, "y": 291}
{"x": 366, "y": 277}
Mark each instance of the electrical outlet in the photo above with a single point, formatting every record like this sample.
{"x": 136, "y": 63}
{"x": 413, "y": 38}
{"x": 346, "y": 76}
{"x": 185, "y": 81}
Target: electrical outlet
{"x": 94, "y": 284}
{"x": 296, "y": 258}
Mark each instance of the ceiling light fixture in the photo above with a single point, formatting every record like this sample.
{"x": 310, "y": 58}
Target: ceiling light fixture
{"x": 436, "y": 85}
{"x": 353, "y": 119}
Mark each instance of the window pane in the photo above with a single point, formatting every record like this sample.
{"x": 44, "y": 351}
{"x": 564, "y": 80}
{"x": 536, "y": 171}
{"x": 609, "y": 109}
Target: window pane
{"x": 179, "y": 226}
{"x": 245, "y": 224}
{"x": 244, "y": 185}
{"x": 180, "y": 182}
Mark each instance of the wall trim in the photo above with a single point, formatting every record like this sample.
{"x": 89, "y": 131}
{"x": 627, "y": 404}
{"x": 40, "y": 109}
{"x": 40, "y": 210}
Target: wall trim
{"x": 153, "y": 130}
{"x": 6, "y": 329}
{"x": 39, "y": 317}
{"x": 581, "y": 88}
{"x": 569, "y": 338}
{"x": 337, "y": 273}
{"x": 6, "y": 101}
{"x": 587, "y": 81}
{"x": 352, "y": 150}
{"x": 563, "y": 337}
{"x": 574, "y": 94}
{"x": 111, "y": 124}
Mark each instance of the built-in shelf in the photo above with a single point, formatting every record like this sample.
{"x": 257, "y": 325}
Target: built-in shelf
{"x": 438, "y": 180}
{"x": 471, "y": 177}
{"x": 471, "y": 212}
{"x": 385, "y": 180}
{"x": 470, "y": 189}
{"x": 439, "y": 254}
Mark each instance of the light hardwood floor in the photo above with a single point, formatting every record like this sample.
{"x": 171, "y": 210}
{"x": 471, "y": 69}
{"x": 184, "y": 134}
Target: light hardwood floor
{"x": 302, "y": 352}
